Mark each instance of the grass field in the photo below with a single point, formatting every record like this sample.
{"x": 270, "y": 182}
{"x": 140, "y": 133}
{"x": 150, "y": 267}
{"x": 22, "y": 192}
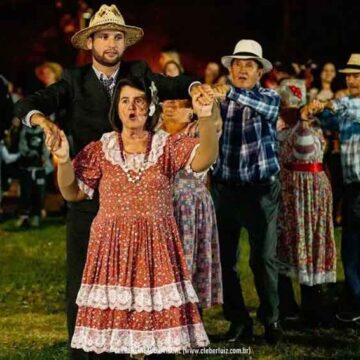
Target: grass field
{"x": 32, "y": 321}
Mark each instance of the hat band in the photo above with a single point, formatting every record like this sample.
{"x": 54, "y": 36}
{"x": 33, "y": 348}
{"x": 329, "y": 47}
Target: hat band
{"x": 353, "y": 66}
{"x": 244, "y": 53}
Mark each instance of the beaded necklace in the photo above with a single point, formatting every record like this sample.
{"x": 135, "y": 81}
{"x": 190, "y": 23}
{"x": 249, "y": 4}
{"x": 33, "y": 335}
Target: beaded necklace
{"x": 135, "y": 178}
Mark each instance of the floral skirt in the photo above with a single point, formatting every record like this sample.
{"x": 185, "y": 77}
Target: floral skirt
{"x": 196, "y": 219}
{"x": 306, "y": 245}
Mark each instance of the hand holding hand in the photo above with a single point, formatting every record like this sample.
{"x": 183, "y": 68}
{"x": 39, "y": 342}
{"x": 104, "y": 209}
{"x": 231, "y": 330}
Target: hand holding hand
{"x": 49, "y": 128}
{"x": 202, "y": 108}
{"x": 220, "y": 91}
{"x": 61, "y": 151}
{"x": 203, "y": 93}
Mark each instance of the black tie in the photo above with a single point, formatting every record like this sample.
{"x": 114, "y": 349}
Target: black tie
{"x": 107, "y": 85}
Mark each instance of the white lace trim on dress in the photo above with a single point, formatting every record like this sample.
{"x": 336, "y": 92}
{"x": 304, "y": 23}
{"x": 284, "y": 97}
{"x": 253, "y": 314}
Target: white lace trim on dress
{"x": 135, "y": 298}
{"x": 308, "y": 278}
{"x": 111, "y": 149}
{"x": 85, "y": 188}
{"x": 139, "y": 342}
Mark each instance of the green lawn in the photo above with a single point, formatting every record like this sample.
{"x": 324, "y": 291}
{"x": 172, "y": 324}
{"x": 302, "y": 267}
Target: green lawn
{"x": 32, "y": 322}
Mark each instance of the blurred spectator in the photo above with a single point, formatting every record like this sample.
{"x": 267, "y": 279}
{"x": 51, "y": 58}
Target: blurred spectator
{"x": 307, "y": 75}
{"x": 48, "y": 73}
{"x": 6, "y": 106}
{"x": 172, "y": 69}
{"x": 325, "y": 84}
{"x": 7, "y": 158}
{"x": 34, "y": 166}
{"x": 211, "y": 73}
{"x": 10, "y": 170}
{"x": 167, "y": 54}
{"x": 280, "y": 71}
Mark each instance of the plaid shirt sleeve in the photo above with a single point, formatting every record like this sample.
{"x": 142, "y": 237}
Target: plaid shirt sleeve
{"x": 265, "y": 101}
{"x": 342, "y": 108}
{"x": 329, "y": 120}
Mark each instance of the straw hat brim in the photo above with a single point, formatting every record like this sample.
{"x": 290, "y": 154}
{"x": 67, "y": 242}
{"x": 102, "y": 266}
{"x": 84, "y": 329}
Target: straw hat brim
{"x": 226, "y": 61}
{"x": 132, "y": 34}
{"x": 349, "y": 71}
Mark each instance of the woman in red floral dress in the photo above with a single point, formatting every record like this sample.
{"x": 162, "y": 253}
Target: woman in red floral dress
{"x": 136, "y": 295}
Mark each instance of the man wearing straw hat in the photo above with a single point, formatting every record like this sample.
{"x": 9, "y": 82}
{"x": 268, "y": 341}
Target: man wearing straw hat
{"x": 344, "y": 114}
{"x": 247, "y": 189}
{"x": 85, "y": 93}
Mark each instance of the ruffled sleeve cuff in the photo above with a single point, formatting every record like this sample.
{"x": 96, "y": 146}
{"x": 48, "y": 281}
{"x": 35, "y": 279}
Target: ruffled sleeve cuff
{"x": 85, "y": 188}
{"x": 199, "y": 175}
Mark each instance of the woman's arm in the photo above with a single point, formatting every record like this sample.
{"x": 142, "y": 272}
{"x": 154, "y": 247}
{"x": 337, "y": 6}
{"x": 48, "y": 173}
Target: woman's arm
{"x": 207, "y": 152}
{"x": 65, "y": 174}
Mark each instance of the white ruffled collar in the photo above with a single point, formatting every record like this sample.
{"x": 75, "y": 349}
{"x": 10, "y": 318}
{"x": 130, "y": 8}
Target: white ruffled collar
{"x": 111, "y": 149}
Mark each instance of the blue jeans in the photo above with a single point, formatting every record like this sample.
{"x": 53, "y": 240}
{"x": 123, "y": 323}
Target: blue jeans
{"x": 350, "y": 247}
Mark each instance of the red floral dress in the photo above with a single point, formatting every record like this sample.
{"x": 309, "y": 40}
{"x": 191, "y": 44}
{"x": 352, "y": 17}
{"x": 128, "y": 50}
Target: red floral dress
{"x": 196, "y": 219}
{"x": 306, "y": 245}
{"x": 136, "y": 294}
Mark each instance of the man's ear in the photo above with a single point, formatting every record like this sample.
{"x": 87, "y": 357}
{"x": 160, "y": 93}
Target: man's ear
{"x": 89, "y": 42}
{"x": 260, "y": 73}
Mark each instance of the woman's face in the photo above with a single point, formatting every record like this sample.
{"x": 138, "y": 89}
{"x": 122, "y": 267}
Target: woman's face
{"x": 133, "y": 108}
{"x": 47, "y": 76}
{"x": 178, "y": 111}
{"x": 328, "y": 73}
{"x": 172, "y": 70}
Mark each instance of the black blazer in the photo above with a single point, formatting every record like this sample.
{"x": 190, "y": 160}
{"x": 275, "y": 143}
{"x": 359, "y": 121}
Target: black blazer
{"x": 84, "y": 98}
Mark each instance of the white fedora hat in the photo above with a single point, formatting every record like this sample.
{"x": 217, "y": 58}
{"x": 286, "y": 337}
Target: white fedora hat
{"x": 107, "y": 18}
{"x": 247, "y": 49}
{"x": 353, "y": 65}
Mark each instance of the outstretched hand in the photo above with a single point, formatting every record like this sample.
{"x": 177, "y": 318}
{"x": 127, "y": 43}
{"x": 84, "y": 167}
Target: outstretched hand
{"x": 60, "y": 150}
{"x": 220, "y": 91}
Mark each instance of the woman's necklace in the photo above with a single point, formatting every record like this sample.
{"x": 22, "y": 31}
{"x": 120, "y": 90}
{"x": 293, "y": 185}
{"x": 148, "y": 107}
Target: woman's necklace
{"x": 135, "y": 178}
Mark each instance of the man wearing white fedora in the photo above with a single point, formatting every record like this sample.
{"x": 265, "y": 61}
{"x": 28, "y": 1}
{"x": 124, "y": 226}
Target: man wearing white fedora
{"x": 85, "y": 94}
{"x": 247, "y": 188}
{"x": 344, "y": 114}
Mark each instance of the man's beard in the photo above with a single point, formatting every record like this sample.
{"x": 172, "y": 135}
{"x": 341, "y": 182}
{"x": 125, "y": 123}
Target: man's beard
{"x": 103, "y": 61}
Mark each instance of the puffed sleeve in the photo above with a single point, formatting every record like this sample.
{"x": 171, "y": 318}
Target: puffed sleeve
{"x": 87, "y": 168}
{"x": 181, "y": 150}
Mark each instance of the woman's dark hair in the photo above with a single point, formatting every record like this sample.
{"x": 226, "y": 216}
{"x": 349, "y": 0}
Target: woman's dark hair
{"x": 336, "y": 84}
{"x": 142, "y": 85}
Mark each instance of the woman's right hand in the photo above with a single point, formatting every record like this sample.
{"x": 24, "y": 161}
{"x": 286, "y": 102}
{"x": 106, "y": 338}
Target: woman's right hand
{"x": 61, "y": 150}
{"x": 202, "y": 108}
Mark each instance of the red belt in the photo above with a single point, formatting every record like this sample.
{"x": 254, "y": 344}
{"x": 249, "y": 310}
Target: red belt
{"x": 313, "y": 167}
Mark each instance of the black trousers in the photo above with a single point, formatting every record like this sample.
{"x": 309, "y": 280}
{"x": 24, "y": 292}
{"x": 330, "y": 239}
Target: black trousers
{"x": 32, "y": 191}
{"x": 78, "y": 234}
{"x": 254, "y": 207}
{"x": 350, "y": 244}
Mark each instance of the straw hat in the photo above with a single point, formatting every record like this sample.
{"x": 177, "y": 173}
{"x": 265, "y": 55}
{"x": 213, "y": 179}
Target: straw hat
{"x": 107, "y": 18}
{"x": 353, "y": 65}
{"x": 247, "y": 49}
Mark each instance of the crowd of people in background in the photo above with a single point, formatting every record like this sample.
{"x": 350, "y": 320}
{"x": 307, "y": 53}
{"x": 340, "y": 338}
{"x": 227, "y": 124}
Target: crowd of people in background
{"x": 287, "y": 141}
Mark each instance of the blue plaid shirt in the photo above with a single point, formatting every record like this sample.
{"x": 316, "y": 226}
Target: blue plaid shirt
{"x": 248, "y": 145}
{"x": 346, "y": 119}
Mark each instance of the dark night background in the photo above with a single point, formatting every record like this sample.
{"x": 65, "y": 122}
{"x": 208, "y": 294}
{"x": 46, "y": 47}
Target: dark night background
{"x": 289, "y": 30}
